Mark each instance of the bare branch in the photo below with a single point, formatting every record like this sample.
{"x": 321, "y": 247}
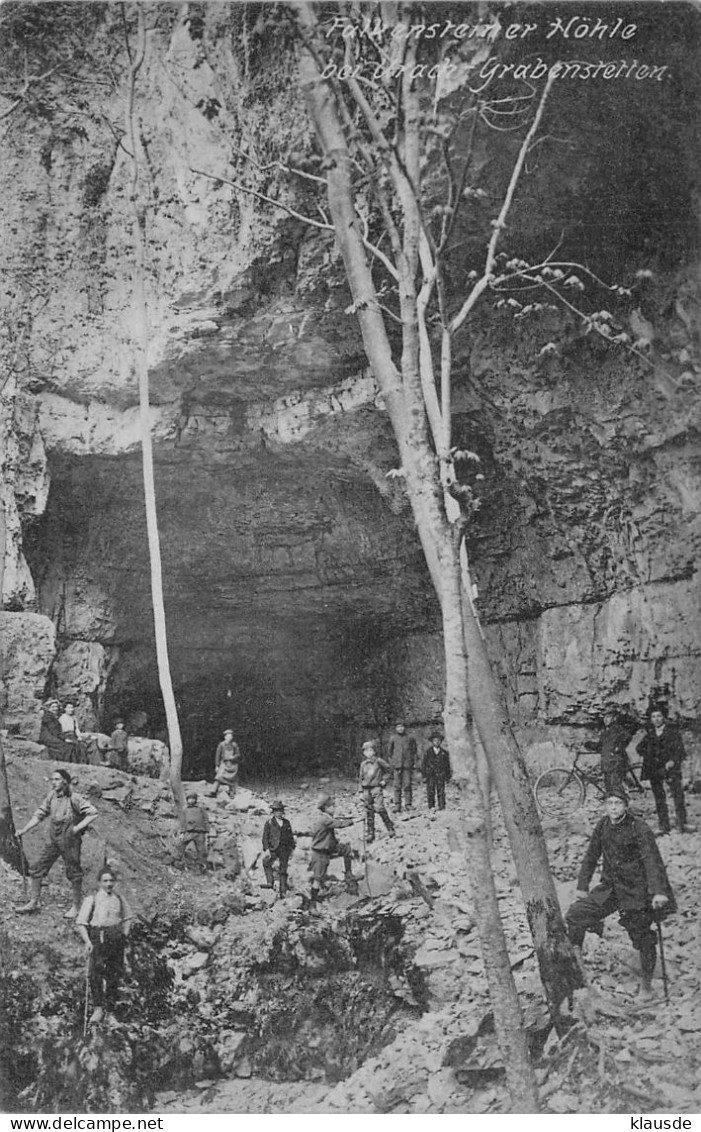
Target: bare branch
{"x": 325, "y": 227}
{"x": 284, "y": 168}
{"x": 499, "y": 224}
{"x": 20, "y": 97}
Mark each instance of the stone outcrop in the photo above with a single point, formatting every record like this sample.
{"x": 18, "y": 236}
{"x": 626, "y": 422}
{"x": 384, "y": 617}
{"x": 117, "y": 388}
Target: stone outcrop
{"x": 27, "y": 648}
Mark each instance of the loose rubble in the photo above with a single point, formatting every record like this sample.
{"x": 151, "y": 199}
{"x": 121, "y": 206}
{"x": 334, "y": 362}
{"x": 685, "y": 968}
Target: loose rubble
{"x": 239, "y": 954}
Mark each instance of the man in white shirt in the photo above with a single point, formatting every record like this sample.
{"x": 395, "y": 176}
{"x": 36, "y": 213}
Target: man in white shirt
{"x": 104, "y": 922}
{"x": 72, "y": 737}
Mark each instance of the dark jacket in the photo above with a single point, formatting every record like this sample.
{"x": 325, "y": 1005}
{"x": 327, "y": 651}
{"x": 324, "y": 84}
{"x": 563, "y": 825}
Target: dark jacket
{"x": 657, "y": 750}
{"x": 632, "y": 869}
{"x": 436, "y": 764}
{"x": 402, "y": 752}
{"x": 51, "y": 734}
{"x": 278, "y": 838}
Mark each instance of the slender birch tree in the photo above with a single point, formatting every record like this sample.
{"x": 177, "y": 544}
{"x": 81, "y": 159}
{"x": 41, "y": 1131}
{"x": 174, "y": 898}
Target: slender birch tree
{"x": 137, "y": 198}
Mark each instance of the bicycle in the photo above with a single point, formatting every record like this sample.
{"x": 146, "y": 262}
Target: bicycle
{"x": 561, "y": 790}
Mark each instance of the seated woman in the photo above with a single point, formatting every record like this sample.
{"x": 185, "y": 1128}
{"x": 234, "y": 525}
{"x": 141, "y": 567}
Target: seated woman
{"x": 51, "y": 733}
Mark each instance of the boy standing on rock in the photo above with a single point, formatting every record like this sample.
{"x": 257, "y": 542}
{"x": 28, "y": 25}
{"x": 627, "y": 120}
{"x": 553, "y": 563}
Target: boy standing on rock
{"x": 70, "y": 815}
{"x": 104, "y": 922}
{"x": 326, "y": 845}
{"x": 278, "y": 845}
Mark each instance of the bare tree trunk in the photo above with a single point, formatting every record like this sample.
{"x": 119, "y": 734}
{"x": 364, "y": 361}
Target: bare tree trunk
{"x": 559, "y": 971}
{"x": 405, "y": 404}
{"x": 502, "y": 988}
{"x": 140, "y": 308}
{"x": 9, "y": 847}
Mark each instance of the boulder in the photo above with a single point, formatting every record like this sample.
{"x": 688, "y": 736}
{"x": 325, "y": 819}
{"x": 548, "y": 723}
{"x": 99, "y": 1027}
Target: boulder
{"x": 27, "y": 649}
{"x": 227, "y": 1048}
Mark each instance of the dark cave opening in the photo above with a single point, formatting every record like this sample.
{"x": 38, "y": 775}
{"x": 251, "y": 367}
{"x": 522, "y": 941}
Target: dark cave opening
{"x": 287, "y": 588}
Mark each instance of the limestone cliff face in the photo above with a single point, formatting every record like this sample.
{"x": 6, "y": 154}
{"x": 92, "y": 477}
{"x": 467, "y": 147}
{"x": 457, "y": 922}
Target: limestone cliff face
{"x": 299, "y": 607}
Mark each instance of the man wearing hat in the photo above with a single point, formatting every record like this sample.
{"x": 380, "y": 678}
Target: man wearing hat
{"x": 662, "y": 752}
{"x": 70, "y": 815}
{"x": 435, "y": 768}
{"x": 117, "y": 754}
{"x": 402, "y": 756}
{"x": 633, "y": 882}
{"x": 278, "y": 845}
{"x": 325, "y": 845}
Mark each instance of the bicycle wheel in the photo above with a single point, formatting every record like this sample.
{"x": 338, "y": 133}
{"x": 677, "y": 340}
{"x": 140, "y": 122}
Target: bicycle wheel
{"x": 559, "y": 792}
{"x": 632, "y": 780}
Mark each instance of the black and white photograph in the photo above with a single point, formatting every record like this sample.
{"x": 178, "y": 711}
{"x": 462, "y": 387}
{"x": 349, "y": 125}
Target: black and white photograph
{"x": 350, "y": 524}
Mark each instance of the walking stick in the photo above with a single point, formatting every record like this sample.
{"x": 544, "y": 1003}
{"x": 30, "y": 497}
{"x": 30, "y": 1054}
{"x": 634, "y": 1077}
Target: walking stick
{"x": 87, "y": 995}
{"x": 665, "y": 980}
{"x": 23, "y": 866}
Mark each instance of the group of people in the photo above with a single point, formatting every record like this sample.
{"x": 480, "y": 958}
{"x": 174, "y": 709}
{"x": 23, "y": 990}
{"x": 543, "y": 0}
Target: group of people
{"x": 403, "y": 762}
{"x": 103, "y": 919}
{"x": 662, "y": 752}
{"x": 61, "y": 735}
{"x": 633, "y": 876}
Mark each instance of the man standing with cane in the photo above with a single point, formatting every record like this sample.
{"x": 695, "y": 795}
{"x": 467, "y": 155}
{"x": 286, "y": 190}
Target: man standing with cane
{"x": 633, "y": 882}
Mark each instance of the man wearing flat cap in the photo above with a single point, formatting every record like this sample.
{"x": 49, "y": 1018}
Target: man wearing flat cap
{"x": 633, "y": 883}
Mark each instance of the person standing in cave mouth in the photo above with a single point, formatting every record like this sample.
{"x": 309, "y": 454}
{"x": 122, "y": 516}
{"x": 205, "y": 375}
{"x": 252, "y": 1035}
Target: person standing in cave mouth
{"x": 402, "y": 757}
{"x": 226, "y": 765}
{"x": 70, "y": 815}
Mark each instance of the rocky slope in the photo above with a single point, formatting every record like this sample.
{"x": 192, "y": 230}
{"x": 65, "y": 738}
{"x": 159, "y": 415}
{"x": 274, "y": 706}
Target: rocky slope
{"x": 240, "y": 1002}
{"x": 299, "y": 608}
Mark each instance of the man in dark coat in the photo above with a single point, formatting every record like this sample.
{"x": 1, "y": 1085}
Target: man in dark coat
{"x": 401, "y": 757}
{"x": 662, "y": 751}
{"x": 633, "y": 882}
{"x": 278, "y": 845}
{"x": 435, "y": 768}
{"x": 613, "y": 744}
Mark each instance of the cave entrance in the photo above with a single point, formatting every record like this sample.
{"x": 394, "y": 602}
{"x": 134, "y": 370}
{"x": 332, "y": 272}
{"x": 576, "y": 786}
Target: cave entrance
{"x": 289, "y": 589}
